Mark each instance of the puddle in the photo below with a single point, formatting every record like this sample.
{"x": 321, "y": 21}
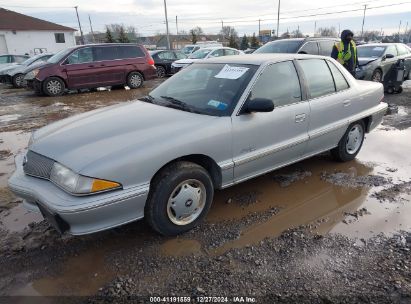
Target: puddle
{"x": 18, "y": 218}
{"x": 180, "y": 247}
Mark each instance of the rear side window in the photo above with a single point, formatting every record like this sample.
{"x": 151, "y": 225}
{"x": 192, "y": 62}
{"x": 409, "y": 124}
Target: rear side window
{"x": 309, "y": 48}
{"x": 180, "y": 55}
{"x": 339, "y": 79}
{"x": 217, "y": 53}
{"x": 391, "y": 49}
{"x": 130, "y": 51}
{"x": 82, "y": 55}
{"x": 230, "y": 52}
{"x": 402, "y": 50}
{"x": 4, "y": 59}
{"x": 279, "y": 83}
{"x": 319, "y": 79}
{"x": 166, "y": 56}
{"x": 326, "y": 47}
{"x": 105, "y": 53}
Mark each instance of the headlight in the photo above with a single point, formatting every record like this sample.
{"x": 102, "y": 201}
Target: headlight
{"x": 78, "y": 184}
{"x": 32, "y": 74}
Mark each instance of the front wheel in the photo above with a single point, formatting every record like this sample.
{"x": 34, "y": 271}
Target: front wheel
{"x": 179, "y": 199}
{"x": 377, "y": 76}
{"x": 135, "y": 80}
{"x": 351, "y": 143}
{"x": 17, "y": 80}
{"x": 53, "y": 86}
{"x": 161, "y": 71}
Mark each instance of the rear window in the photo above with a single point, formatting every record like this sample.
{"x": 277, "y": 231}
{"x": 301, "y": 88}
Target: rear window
{"x": 130, "y": 51}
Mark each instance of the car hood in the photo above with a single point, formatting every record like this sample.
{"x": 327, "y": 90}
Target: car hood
{"x": 4, "y": 65}
{"x": 35, "y": 65}
{"x": 86, "y": 138}
{"x": 366, "y": 60}
{"x": 186, "y": 61}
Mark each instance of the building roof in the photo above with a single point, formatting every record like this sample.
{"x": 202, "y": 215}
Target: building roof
{"x": 10, "y": 20}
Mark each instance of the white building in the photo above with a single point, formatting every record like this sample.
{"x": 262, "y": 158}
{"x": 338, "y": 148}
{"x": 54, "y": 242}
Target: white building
{"x": 21, "y": 34}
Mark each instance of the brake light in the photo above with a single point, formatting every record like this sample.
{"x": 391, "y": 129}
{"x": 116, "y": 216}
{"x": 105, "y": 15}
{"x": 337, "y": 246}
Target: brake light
{"x": 150, "y": 61}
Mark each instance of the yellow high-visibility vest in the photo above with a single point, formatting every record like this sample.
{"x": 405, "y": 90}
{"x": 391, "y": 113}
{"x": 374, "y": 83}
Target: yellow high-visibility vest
{"x": 345, "y": 55}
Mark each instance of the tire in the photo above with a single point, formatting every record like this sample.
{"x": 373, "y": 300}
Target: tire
{"x": 161, "y": 71}
{"x": 377, "y": 75}
{"x": 166, "y": 197}
{"x": 135, "y": 80}
{"x": 346, "y": 150}
{"x": 53, "y": 86}
{"x": 17, "y": 80}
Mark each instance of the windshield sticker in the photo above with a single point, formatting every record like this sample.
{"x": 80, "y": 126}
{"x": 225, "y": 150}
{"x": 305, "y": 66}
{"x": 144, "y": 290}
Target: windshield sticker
{"x": 217, "y": 104}
{"x": 378, "y": 48}
{"x": 231, "y": 72}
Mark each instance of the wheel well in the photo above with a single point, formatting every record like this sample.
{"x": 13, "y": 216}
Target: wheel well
{"x": 367, "y": 122}
{"x": 202, "y": 160}
{"x": 65, "y": 83}
{"x": 142, "y": 74}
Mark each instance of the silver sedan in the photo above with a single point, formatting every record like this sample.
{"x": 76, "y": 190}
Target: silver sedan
{"x": 215, "y": 124}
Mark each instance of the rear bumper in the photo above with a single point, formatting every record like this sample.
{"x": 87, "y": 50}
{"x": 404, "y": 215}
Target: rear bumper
{"x": 78, "y": 215}
{"x": 150, "y": 74}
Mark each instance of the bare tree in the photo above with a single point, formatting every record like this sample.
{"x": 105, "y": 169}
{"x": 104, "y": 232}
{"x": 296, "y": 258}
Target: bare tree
{"x": 297, "y": 34}
{"x": 327, "y": 32}
{"x": 370, "y": 35}
{"x": 228, "y": 31}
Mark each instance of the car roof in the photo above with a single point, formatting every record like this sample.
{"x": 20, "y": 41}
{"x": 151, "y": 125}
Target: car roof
{"x": 379, "y": 44}
{"x": 259, "y": 59}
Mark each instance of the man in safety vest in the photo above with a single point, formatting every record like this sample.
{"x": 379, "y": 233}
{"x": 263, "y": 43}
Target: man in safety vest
{"x": 345, "y": 51}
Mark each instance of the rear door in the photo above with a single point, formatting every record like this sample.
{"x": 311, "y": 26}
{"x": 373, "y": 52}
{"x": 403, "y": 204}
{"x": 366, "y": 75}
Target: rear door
{"x": 264, "y": 141}
{"x": 387, "y": 63}
{"x": 81, "y": 69}
{"x": 404, "y": 53}
{"x": 329, "y": 98}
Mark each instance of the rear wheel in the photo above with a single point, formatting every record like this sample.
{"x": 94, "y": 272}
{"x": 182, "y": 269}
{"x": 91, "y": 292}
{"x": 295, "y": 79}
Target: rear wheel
{"x": 179, "y": 199}
{"x": 135, "y": 80}
{"x": 161, "y": 71}
{"x": 377, "y": 75}
{"x": 17, "y": 80}
{"x": 351, "y": 143}
{"x": 53, "y": 86}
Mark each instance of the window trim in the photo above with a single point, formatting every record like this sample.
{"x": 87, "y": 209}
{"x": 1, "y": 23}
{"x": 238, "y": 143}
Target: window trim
{"x": 328, "y": 62}
{"x": 257, "y": 76}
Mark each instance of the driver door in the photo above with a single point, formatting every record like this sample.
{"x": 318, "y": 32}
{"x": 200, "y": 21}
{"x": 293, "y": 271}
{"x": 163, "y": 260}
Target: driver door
{"x": 265, "y": 141}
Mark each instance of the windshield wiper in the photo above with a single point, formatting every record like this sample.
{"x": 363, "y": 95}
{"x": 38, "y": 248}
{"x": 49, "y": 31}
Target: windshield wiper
{"x": 178, "y": 104}
{"x": 148, "y": 98}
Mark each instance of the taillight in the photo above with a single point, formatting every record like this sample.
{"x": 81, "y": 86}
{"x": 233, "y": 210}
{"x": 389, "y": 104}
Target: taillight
{"x": 150, "y": 61}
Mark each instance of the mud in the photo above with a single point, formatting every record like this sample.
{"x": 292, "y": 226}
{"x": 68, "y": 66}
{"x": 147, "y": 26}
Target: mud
{"x": 309, "y": 232}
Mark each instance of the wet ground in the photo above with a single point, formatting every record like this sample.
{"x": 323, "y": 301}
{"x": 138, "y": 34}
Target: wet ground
{"x": 315, "y": 231}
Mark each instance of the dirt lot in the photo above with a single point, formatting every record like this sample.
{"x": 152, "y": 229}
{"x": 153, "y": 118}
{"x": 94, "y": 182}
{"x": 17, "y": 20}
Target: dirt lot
{"x": 314, "y": 232}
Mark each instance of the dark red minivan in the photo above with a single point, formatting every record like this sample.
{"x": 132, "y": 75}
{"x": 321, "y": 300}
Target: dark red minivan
{"x": 92, "y": 66}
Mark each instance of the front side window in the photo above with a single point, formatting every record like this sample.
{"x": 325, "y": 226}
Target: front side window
{"x": 319, "y": 79}
{"x": 279, "y": 83}
{"x": 309, "y": 48}
{"x": 180, "y": 55}
{"x": 326, "y": 47}
{"x": 217, "y": 53}
{"x": 82, "y": 55}
{"x": 59, "y": 37}
{"x": 166, "y": 56}
{"x": 339, "y": 79}
{"x": 200, "y": 54}
{"x": 4, "y": 59}
{"x": 204, "y": 88}
{"x": 229, "y": 52}
{"x": 391, "y": 49}
{"x": 402, "y": 50}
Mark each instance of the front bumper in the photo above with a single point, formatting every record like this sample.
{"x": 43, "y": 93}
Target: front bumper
{"x": 363, "y": 74}
{"x": 78, "y": 215}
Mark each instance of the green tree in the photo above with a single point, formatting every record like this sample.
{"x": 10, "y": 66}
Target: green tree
{"x": 254, "y": 41}
{"x": 233, "y": 42}
{"x": 109, "y": 36}
{"x": 244, "y": 42}
{"x": 122, "y": 37}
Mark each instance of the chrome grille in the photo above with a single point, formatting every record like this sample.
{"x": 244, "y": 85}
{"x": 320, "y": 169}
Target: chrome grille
{"x": 37, "y": 165}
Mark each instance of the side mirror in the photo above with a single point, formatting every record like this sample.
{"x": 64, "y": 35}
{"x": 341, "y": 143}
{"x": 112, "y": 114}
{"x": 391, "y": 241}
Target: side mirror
{"x": 388, "y": 56}
{"x": 259, "y": 105}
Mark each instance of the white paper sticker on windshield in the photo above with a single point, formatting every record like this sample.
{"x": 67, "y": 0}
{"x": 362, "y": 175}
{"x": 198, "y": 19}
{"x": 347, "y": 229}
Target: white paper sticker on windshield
{"x": 378, "y": 48}
{"x": 231, "y": 72}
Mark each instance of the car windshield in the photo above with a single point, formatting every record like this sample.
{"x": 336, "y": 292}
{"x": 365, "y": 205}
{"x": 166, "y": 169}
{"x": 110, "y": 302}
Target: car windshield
{"x": 59, "y": 55}
{"x": 280, "y": 46}
{"x": 187, "y": 49}
{"x": 210, "y": 89}
{"x": 200, "y": 54}
{"x": 371, "y": 51}
{"x": 31, "y": 60}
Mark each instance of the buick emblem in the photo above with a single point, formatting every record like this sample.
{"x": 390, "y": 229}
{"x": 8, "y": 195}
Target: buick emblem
{"x": 25, "y": 160}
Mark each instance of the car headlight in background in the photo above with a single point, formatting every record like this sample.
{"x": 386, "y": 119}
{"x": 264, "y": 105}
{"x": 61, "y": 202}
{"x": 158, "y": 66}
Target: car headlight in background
{"x": 79, "y": 184}
{"x": 32, "y": 74}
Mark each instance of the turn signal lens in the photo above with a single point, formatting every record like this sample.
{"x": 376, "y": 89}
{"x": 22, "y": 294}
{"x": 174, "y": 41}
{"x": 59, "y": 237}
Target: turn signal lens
{"x": 102, "y": 185}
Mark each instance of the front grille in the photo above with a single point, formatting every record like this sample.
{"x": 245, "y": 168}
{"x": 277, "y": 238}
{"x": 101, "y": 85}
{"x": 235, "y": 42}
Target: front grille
{"x": 37, "y": 165}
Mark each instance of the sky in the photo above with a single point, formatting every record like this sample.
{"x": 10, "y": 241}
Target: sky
{"x": 148, "y": 17}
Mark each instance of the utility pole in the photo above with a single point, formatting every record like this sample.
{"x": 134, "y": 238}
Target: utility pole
{"x": 315, "y": 28}
{"x": 168, "y": 34}
{"x": 91, "y": 28}
{"x": 178, "y": 46}
{"x": 363, "y": 21}
{"x": 405, "y": 32}
{"x": 259, "y": 29}
{"x": 278, "y": 19}
{"x": 399, "y": 29}
{"x": 79, "y": 25}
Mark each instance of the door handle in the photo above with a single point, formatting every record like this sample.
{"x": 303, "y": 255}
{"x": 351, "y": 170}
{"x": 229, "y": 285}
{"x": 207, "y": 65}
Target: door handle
{"x": 346, "y": 103}
{"x": 300, "y": 118}
{"x": 91, "y": 66}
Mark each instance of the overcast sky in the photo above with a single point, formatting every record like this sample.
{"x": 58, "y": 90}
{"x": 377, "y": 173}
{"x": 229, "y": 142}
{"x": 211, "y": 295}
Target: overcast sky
{"x": 148, "y": 15}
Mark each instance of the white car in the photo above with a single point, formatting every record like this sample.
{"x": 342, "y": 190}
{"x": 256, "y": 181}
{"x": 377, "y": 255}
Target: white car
{"x": 191, "y": 48}
{"x": 205, "y": 53}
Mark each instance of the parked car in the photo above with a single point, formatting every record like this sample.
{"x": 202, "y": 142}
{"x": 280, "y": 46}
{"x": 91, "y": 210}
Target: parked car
{"x": 312, "y": 46}
{"x": 250, "y": 50}
{"x": 215, "y": 124}
{"x": 191, "y": 48}
{"x": 204, "y": 53}
{"x": 14, "y": 74}
{"x": 375, "y": 60}
{"x": 92, "y": 66}
{"x": 7, "y": 59}
{"x": 164, "y": 59}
